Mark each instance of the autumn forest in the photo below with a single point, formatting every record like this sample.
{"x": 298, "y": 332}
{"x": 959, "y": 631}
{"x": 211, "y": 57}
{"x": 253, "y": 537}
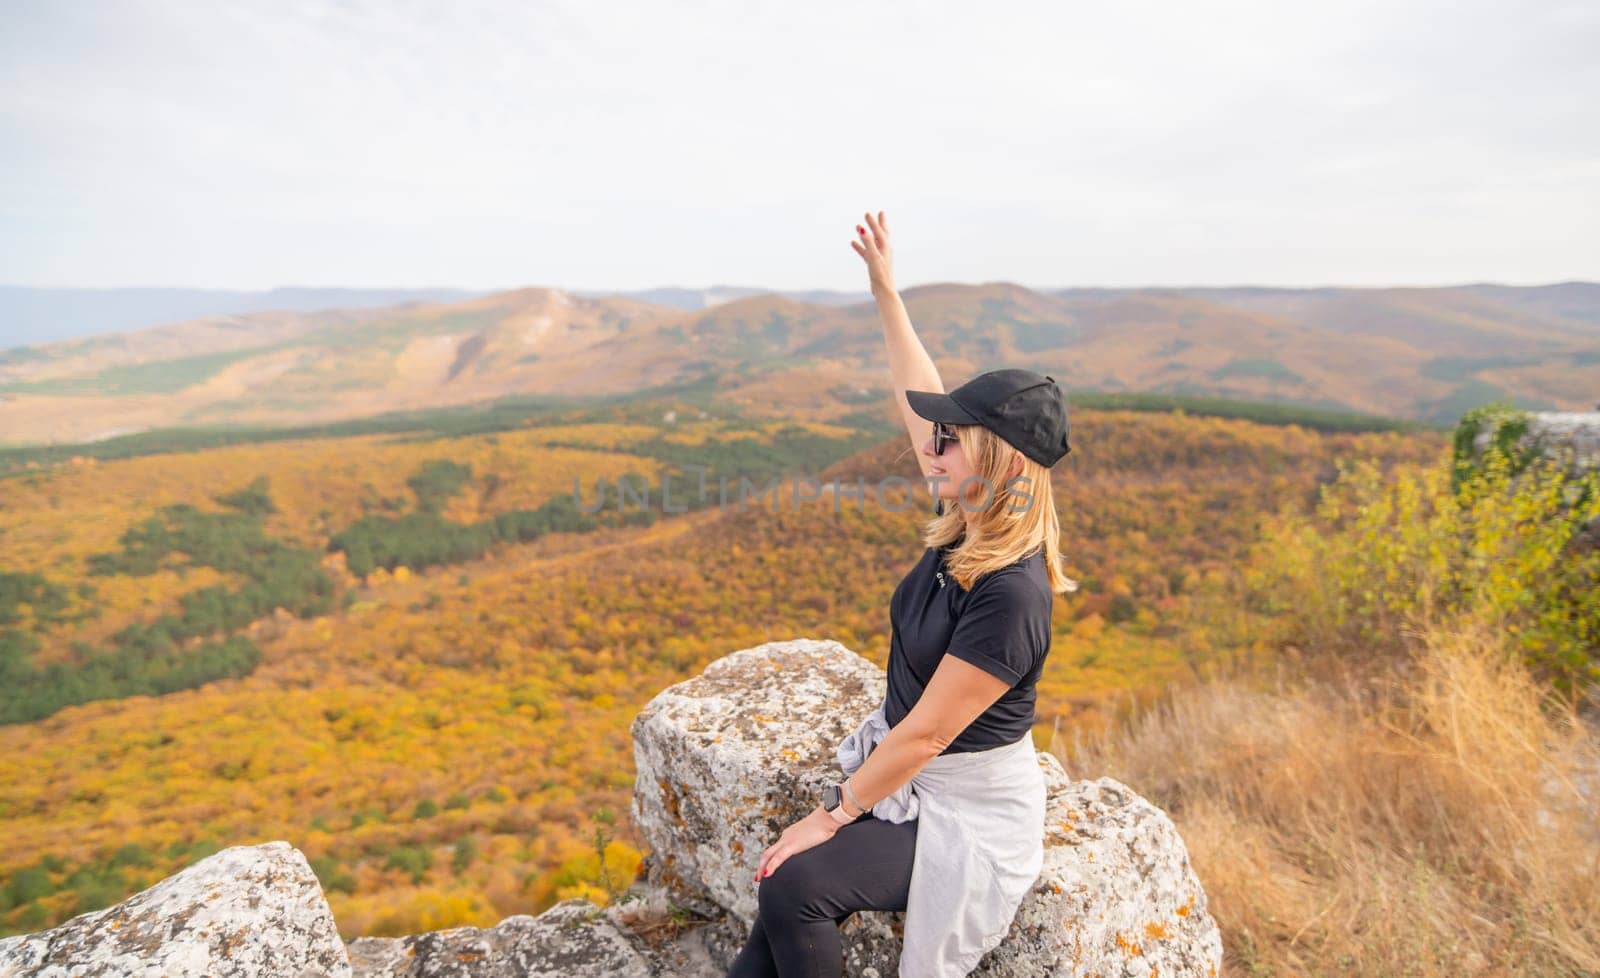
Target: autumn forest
{"x": 416, "y": 655}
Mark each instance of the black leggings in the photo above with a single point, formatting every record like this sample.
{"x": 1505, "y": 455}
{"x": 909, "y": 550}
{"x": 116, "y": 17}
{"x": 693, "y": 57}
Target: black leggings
{"x": 866, "y": 865}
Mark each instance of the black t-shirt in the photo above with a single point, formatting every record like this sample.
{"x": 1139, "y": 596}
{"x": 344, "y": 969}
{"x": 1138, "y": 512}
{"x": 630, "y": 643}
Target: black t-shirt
{"x": 1002, "y": 626}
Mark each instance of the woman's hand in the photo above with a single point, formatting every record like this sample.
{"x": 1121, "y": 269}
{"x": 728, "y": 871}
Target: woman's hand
{"x": 814, "y": 829}
{"x": 874, "y": 248}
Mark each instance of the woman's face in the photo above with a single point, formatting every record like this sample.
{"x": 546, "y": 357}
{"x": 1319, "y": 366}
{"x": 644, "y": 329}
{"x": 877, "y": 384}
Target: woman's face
{"x": 951, "y": 469}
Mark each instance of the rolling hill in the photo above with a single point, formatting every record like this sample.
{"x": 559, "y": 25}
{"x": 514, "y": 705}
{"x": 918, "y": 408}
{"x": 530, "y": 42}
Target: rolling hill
{"x": 1425, "y": 354}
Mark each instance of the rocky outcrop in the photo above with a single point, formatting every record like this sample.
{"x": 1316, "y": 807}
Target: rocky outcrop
{"x": 728, "y": 759}
{"x": 573, "y": 939}
{"x": 725, "y": 761}
{"x": 1572, "y": 437}
{"x": 244, "y": 912}
{"x": 1569, "y": 438}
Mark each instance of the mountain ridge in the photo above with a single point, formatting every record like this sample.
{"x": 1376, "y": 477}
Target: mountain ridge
{"x": 1423, "y": 354}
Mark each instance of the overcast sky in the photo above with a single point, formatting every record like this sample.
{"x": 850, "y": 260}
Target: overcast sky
{"x": 598, "y": 145}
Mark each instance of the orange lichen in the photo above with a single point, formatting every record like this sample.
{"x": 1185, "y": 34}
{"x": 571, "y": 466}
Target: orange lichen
{"x": 1183, "y": 911}
{"x": 669, "y": 800}
{"x": 1156, "y": 929}
{"x": 1130, "y": 948}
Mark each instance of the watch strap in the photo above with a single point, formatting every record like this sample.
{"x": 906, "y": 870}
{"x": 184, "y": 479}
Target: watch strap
{"x": 833, "y": 793}
{"x": 851, "y": 794}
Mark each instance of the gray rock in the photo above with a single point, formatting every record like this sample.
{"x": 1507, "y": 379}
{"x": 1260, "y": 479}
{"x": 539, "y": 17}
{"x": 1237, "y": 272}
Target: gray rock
{"x": 245, "y": 911}
{"x": 1569, "y": 436}
{"x": 728, "y": 759}
{"x": 646, "y": 933}
{"x": 573, "y": 939}
{"x": 678, "y": 943}
{"x": 1117, "y": 895}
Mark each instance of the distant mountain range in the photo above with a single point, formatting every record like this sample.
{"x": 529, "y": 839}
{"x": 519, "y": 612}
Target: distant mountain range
{"x": 1420, "y": 353}
{"x": 30, "y": 316}
{"x": 716, "y": 295}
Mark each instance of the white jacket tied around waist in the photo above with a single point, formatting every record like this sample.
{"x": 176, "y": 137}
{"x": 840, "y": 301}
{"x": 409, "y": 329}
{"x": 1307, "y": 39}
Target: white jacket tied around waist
{"x": 980, "y": 846}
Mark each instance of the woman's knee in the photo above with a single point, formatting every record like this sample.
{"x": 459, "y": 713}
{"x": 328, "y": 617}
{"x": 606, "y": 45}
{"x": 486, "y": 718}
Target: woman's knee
{"x": 793, "y": 887}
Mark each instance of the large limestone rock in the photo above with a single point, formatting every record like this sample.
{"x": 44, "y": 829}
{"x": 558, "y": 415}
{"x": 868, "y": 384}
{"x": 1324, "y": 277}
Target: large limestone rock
{"x": 245, "y": 911}
{"x": 726, "y": 760}
{"x": 645, "y": 933}
{"x": 573, "y": 939}
{"x": 1117, "y": 895}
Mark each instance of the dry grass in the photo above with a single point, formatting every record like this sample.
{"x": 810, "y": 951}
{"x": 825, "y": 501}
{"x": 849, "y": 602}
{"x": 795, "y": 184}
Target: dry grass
{"x": 1436, "y": 820}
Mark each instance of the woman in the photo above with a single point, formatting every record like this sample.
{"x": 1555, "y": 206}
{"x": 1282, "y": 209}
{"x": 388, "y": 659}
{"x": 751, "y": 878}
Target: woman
{"x": 948, "y": 756}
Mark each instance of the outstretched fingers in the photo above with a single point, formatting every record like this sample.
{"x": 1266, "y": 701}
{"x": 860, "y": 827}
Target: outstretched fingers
{"x": 880, "y": 234}
{"x": 868, "y": 245}
{"x": 872, "y": 244}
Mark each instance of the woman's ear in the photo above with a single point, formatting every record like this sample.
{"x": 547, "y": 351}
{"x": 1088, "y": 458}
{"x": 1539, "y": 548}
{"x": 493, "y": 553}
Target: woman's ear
{"x": 1016, "y": 465}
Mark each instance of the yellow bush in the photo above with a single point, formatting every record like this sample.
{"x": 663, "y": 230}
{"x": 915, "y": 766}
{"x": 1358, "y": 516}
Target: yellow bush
{"x": 1382, "y": 556}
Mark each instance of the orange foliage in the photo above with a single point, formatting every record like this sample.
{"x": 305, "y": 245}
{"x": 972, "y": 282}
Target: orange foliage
{"x": 502, "y": 690}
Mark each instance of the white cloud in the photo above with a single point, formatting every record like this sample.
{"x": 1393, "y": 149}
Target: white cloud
{"x": 629, "y": 145}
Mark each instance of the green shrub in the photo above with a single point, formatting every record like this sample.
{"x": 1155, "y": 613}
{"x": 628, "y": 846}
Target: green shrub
{"x": 1123, "y": 607}
{"x": 132, "y": 854}
{"x": 414, "y": 860}
{"x": 27, "y": 885}
{"x": 437, "y": 480}
{"x": 97, "y": 887}
{"x": 1382, "y": 556}
{"x": 465, "y": 851}
{"x": 331, "y": 875}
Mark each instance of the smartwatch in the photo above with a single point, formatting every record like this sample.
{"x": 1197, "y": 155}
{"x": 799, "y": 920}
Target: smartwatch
{"x": 833, "y": 804}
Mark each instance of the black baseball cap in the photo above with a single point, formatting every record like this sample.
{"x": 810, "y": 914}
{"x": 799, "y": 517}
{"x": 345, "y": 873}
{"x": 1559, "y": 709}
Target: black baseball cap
{"x": 1025, "y": 408}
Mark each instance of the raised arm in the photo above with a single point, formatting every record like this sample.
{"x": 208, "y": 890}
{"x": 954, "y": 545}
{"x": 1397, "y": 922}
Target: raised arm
{"x": 909, "y": 364}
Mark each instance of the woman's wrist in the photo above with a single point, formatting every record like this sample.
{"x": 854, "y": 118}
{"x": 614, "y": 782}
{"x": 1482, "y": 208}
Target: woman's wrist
{"x": 828, "y": 818}
{"x": 848, "y": 794}
{"x": 883, "y": 287}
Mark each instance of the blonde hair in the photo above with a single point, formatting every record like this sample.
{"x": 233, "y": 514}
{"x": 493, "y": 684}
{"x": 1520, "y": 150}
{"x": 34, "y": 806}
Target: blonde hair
{"x": 1010, "y": 526}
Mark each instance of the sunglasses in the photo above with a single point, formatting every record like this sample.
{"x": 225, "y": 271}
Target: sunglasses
{"x": 943, "y": 435}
